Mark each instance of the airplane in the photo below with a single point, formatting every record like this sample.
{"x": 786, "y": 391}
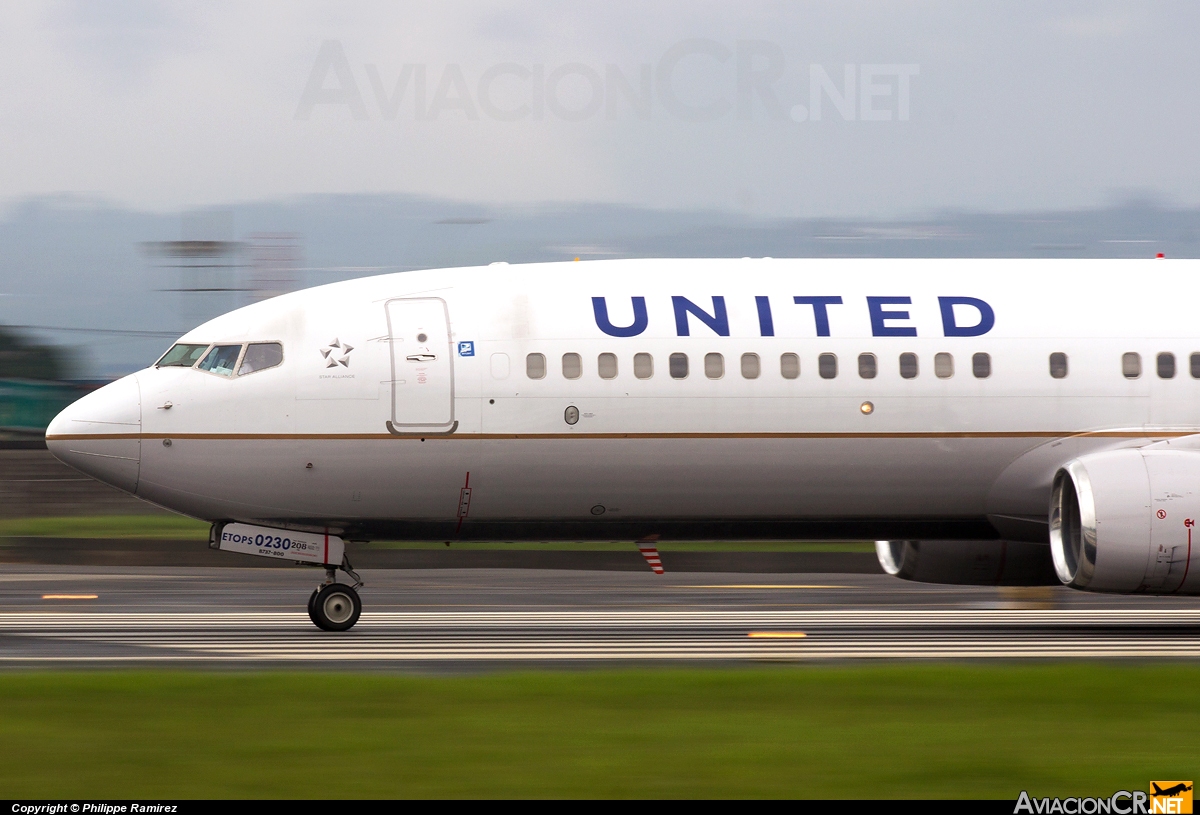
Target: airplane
{"x": 1169, "y": 792}
{"x": 984, "y": 421}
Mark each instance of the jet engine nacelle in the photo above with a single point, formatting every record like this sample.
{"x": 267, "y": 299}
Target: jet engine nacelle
{"x": 969, "y": 563}
{"x": 1123, "y": 521}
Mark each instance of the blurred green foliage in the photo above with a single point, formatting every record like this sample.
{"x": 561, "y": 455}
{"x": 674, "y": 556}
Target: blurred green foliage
{"x": 23, "y": 359}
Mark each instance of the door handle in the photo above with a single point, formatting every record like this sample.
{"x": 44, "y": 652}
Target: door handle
{"x": 421, "y": 357}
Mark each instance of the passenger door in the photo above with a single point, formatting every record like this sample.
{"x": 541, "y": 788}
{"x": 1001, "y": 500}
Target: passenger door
{"x": 422, "y": 366}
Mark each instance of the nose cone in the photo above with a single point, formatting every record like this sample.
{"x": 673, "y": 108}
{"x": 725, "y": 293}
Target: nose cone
{"x": 99, "y": 434}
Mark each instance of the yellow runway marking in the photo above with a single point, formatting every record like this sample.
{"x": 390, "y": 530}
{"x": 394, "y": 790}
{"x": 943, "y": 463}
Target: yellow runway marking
{"x": 70, "y": 596}
{"x": 776, "y": 635}
{"x": 763, "y": 586}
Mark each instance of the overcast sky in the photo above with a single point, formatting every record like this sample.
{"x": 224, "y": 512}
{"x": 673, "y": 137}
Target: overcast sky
{"x": 922, "y": 105}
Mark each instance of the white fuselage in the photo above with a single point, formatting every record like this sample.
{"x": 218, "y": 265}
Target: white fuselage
{"x": 453, "y": 413}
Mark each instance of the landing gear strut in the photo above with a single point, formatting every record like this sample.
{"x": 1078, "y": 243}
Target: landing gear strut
{"x": 336, "y": 606}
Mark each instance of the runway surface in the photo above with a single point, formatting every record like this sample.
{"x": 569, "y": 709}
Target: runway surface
{"x": 60, "y": 616}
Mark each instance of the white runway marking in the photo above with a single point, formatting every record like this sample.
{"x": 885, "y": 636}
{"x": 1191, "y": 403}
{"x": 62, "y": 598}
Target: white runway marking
{"x": 40, "y": 577}
{"x": 601, "y": 635}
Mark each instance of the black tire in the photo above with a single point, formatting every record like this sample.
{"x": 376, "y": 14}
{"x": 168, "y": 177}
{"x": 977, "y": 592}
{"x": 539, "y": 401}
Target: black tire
{"x": 336, "y": 607}
{"x": 312, "y": 614}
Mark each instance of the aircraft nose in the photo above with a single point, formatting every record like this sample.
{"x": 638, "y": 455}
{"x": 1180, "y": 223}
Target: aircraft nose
{"x": 99, "y": 434}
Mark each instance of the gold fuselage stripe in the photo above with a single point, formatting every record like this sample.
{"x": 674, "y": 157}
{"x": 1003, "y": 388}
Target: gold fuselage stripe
{"x": 433, "y": 435}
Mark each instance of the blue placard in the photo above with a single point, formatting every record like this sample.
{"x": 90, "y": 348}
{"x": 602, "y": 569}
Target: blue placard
{"x": 466, "y": 349}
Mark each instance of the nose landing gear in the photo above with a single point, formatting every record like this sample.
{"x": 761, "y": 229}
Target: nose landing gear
{"x": 333, "y": 606}
{"x": 336, "y": 606}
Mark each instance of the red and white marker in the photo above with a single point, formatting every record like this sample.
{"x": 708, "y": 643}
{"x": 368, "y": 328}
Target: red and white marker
{"x": 650, "y": 552}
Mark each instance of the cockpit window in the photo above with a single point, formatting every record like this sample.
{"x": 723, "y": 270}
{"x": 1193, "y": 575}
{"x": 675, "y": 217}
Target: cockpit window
{"x": 259, "y": 356}
{"x": 221, "y": 360}
{"x": 182, "y": 355}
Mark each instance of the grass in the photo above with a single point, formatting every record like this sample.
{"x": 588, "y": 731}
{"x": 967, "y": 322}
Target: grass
{"x": 164, "y": 527}
{"x": 957, "y": 731}
{"x": 626, "y": 546}
{"x": 177, "y": 527}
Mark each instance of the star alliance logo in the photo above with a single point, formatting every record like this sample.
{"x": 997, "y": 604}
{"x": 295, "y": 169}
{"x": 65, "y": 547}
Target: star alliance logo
{"x": 332, "y": 351}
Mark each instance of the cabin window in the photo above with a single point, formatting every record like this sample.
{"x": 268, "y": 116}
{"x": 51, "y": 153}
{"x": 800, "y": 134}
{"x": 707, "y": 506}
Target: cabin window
{"x": 1131, "y": 365}
{"x": 182, "y": 355}
{"x": 943, "y": 365}
{"x": 1058, "y": 365}
{"x": 678, "y": 365}
{"x": 751, "y": 366}
{"x": 1166, "y": 365}
{"x": 221, "y": 360}
{"x": 867, "y": 366}
{"x": 981, "y": 365}
{"x": 827, "y": 366}
{"x": 606, "y": 364}
{"x": 572, "y": 365}
{"x": 535, "y": 366}
{"x": 789, "y": 366}
{"x": 714, "y": 366}
{"x": 1194, "y": 362}
{"x": 643, "y": 366}
{"x": 260, "y": 356}
{"x": 908, "y": 366}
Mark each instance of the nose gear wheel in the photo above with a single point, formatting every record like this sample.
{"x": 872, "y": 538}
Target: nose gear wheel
{"x": 334, "y": 607}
